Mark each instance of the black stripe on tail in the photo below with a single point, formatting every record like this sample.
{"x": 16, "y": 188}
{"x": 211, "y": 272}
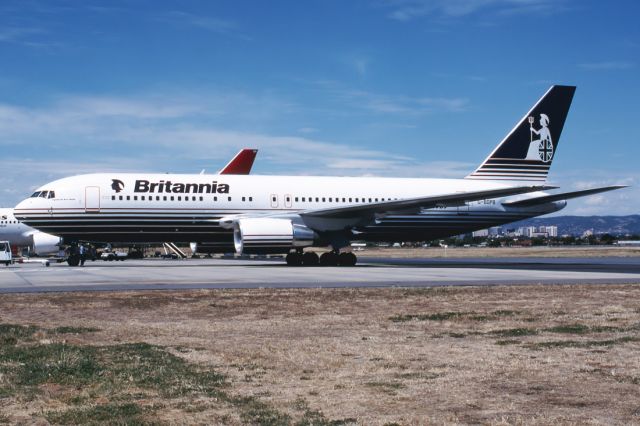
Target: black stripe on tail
{"x": 526, "y": 153}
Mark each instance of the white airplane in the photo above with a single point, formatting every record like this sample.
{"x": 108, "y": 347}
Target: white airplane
{"x": 20, "y": 235}
{"x": 41, "y": 244}
{"x": 285, "y": 214}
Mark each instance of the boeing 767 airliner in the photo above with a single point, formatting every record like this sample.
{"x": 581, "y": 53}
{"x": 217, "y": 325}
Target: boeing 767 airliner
{"x": 285, "y": 214}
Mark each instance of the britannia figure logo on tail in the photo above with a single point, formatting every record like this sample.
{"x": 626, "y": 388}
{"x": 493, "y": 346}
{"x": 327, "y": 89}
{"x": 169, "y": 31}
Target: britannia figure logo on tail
{"x": 540, "y": 149}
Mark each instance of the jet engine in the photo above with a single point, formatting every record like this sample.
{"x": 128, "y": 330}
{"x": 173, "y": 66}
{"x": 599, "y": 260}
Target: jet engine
{"x": 268, "y": 235}
{"x": 44, "y": 244}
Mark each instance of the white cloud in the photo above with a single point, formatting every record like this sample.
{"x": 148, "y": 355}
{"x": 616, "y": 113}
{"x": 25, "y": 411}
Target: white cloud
{"x": 392, "y": 104}
{"x": 405, "y": 10}
{"x": 213, "y": 24}
{"x": 81, "y": 134}
{"x": 607, "y": 65}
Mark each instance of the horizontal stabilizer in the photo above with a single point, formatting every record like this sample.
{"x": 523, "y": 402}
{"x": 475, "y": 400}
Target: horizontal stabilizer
{"x": 557, "y": 197}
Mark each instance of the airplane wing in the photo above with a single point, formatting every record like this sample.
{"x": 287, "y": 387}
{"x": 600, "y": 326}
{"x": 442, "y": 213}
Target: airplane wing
{"x": 557, "y": 197}
{"x": 353, "y": 215}
{"x": 444, "y": 200}
{"x": 240, "y": 164}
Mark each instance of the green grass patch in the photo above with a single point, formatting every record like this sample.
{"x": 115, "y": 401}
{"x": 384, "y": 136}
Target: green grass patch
{"x": 441, "y": 316}
{"x": 583, "y": 344}
{"x": 445, "y": 316}
{"x": 514, "y": 332}
{"x": 506, "y": 342}
{"x": 125, "y": 414}
{"x": 118, "y": 376}
{"x": 11, "y": 334}
{"x": 73, "y": 330}
{"x": 569, "y": 329}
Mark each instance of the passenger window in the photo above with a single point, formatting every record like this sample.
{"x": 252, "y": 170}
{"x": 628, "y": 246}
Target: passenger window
{"x": 201, "y": 198}
{"x": 164, "y": 198}
{"x": 243, "y": 198}
{"x": 157, "y": 198}
{"x": 172, "y": 198}
{"x": 250, "y": 198}
{"x": 142, "y": 197}
{"x": 179, "y": 198}
{"x": 343, "y": 200}
{"x": 229, "y": 198}
{"x": 113, "y": 197}
{"x": 296, "y": 199}
{"x": 323, "y": 199}
{"x": 303, "y": 199}
{"x": 135, "y": 198}
{"x": 317, "y": 200}
{"x": 215, "y": 198}
{"x": 120, "y": 197}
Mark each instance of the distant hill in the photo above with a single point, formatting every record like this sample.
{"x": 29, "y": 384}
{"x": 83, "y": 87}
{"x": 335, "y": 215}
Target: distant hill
{"x": 576, "y": 225}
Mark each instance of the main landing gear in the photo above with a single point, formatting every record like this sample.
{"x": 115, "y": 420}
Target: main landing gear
{"x": 330, "y": 258}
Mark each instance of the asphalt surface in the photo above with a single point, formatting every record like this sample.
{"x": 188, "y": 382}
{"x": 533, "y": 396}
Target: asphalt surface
{"x": 154, "y": 274}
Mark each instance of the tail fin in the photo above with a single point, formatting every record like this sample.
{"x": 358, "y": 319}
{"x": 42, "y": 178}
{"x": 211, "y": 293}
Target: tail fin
{"x": 240, "y": 164}
{"x": 525, "y": 154}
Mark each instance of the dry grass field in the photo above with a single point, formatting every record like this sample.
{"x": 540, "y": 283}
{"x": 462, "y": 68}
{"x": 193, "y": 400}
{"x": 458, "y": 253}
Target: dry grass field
{"x": 498, "y": 355}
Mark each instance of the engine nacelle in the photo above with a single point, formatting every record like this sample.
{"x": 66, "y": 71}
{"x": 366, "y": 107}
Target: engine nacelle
{"x": 267, "y": 236}
{"x": 45, "y": 244}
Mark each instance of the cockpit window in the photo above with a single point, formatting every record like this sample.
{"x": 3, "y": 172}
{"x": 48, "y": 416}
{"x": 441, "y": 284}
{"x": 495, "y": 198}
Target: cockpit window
{"x": 52, "y": 194}
{"x": 35, "y": 194}
{"x": 44, "y": 194}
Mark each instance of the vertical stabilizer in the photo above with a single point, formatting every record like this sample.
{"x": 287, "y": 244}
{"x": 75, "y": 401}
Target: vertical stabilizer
{"x": 526, "y": 153}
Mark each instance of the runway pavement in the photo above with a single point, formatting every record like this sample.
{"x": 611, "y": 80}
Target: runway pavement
{"x": 154, "y": 274}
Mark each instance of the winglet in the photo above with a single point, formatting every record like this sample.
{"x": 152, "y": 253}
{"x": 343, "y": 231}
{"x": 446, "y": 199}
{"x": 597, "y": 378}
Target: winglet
{"x": 240, "y": 164}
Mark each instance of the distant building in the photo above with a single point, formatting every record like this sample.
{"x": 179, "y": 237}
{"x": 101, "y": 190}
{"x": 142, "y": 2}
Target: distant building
{"x": 480, "y": 233}
{"x": 548, "y": 231}
{"x": 495, "y": 230}
{"x": 587, "y": 233}
{"x": 526, "y": 231}
{"x": 628, "y": 243}
{"x": 552, "y": 231}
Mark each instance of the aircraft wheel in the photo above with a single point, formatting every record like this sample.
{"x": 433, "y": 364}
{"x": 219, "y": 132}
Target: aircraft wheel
{"x": 294, "y": 259}
{"x": 73, "y": 260}
{"x": 347, "y": 259}
{"x": 310, "y": 259}
{"x": 329, "y": 259}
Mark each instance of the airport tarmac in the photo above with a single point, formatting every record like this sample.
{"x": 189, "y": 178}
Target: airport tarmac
{"x": 154, "y": 274}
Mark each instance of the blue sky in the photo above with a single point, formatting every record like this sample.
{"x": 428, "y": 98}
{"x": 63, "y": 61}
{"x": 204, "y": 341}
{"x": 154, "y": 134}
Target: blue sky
{"x": 420, "y": 88}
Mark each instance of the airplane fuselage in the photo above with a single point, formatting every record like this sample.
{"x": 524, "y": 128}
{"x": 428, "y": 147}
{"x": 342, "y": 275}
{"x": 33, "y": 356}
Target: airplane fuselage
{"x": 152, "y": 208}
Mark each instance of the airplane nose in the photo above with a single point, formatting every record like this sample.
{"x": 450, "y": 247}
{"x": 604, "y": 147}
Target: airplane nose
{"x": 20, "y": 209}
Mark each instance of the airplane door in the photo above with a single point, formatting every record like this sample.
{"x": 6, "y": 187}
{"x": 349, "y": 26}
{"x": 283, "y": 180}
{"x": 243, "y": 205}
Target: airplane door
{"x": 274, "y": 201}
{"x": 287, "y": 201}
{"x": 92, "y": 199}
